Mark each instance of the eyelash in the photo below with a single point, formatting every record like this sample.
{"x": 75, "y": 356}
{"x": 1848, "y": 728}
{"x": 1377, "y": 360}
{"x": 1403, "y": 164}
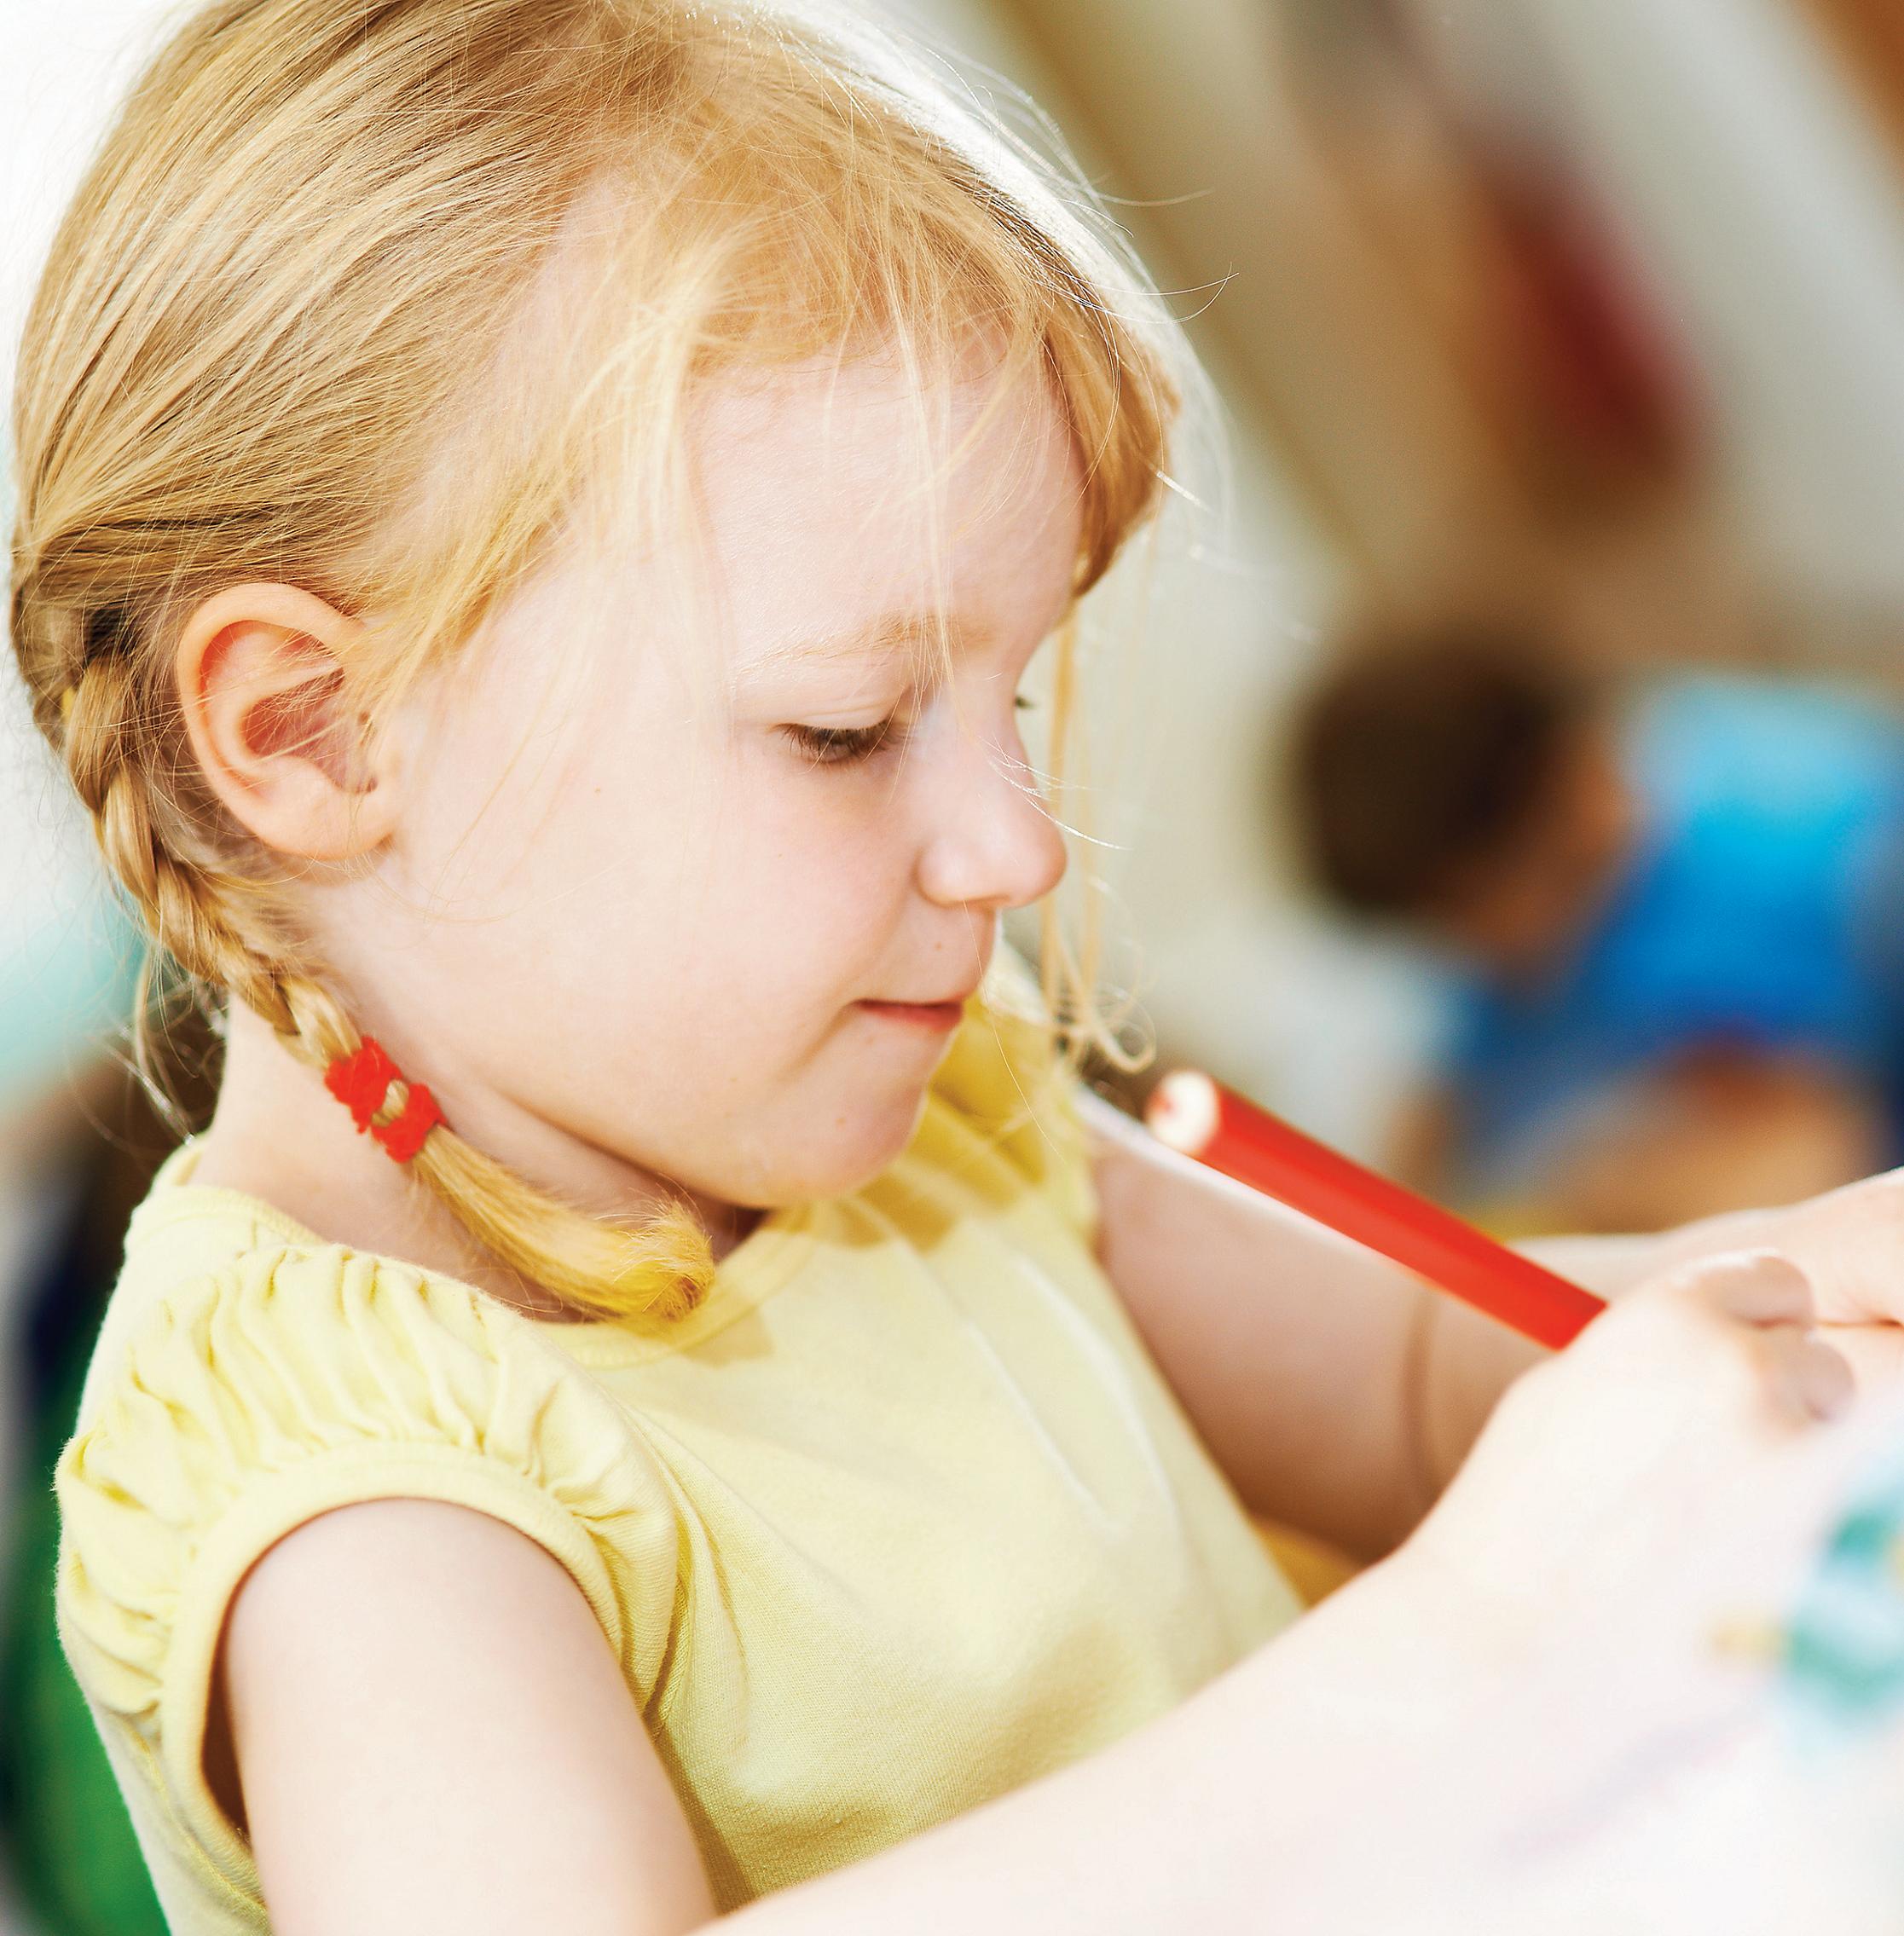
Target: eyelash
{"x": 841, "y": 746}
{"x": 847, "y": 746}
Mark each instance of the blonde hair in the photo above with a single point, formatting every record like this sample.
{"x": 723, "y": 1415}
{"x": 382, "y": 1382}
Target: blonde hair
{"x": 299, "y": 264}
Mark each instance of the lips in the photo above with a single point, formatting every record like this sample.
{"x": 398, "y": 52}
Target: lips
{"x": 923, "y": 1015}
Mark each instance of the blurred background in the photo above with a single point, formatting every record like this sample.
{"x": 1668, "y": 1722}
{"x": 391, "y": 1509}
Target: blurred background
{"x": 1500, "y": 770}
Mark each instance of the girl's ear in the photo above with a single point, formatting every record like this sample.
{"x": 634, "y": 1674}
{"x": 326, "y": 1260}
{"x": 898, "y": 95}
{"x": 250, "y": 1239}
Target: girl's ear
{"x": 261, "y": 686}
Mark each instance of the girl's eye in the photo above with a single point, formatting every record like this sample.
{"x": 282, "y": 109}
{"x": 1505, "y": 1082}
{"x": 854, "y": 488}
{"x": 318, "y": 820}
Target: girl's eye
{"x": 841, "y": 746}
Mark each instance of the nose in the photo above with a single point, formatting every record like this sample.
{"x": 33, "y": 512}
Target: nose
{"x": 992, "y": 844}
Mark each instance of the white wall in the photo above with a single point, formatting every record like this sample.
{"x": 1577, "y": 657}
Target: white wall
{"x": 62, "y": 62}
{"x": 60, "y": 67}
{"x": 1771, "y": 215}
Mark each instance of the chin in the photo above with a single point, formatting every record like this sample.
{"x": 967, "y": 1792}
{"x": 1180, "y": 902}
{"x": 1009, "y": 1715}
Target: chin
{"x": 863, "y": 1145}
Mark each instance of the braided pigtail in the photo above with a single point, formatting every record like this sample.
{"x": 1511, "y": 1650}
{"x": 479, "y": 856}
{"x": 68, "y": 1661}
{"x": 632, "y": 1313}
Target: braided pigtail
{"x": 222, "y": 929}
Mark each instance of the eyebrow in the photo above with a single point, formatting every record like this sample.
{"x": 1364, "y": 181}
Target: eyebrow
{"x": 915, "y": 633}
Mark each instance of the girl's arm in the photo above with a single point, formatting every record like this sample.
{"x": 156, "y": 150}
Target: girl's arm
{"x": 432, "y": 1738}
{"x": 435, "y": 1741}
{"x": 432, "y": 1734}
{"x": 1338, "y": 1393}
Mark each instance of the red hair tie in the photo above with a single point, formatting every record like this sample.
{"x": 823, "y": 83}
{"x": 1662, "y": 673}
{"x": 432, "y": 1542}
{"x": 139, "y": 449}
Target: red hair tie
{"x": 362, "y": 1082}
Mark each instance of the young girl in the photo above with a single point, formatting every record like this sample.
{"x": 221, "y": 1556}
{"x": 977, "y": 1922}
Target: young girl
{"x": 654, "y": 1386}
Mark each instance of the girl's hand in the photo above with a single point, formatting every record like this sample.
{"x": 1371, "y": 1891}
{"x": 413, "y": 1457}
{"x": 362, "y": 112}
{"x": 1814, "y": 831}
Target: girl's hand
{"x": 1656, "y": 1459}
{"x": 1849, "y": 1243}
{"x": 1624, "y": 1553}
{"x": 1589, "y": 1620}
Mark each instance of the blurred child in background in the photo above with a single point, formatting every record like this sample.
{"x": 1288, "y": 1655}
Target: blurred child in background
{"x": 1671, "y": 916}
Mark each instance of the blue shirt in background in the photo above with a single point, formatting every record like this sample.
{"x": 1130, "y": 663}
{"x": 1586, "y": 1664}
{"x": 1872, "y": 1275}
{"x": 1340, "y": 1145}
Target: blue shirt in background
{"x": 1764, "y": 908}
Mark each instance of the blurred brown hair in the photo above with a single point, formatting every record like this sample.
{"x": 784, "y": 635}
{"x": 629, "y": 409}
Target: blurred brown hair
{"x": 1421, "y": 755}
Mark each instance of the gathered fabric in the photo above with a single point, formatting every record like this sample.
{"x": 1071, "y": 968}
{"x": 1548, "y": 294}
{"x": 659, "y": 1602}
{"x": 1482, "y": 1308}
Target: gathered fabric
{"x": 902, "y": 1515}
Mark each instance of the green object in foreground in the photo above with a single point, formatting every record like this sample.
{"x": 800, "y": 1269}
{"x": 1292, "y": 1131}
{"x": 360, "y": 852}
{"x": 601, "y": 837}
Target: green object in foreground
{"x": 1845, "y": 1648}
{"x": 76, "y": 1866}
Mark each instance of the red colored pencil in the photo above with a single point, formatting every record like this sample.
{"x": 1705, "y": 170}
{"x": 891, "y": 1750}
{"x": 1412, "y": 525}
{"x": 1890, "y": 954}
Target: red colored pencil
{"x": 1192, "y": 1113}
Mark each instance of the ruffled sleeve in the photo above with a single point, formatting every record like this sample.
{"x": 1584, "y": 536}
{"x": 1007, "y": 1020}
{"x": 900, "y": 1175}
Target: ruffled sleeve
{"x": 293, "y": 1382}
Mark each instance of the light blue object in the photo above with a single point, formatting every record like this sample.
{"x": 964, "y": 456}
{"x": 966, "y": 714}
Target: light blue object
{"x": 1764, "y": 909}
{"x": 69, "y": 957}
{"x": 1843, "y": 1651}
{"x": 66, "y": 990}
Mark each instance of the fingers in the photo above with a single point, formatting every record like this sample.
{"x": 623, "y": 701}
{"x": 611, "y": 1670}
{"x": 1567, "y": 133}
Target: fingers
{"x": 1805, "y": 1379}
{"x": 1849, "y": 1239}
{"x": 1752, "y": 1318}
{"x": 1754, "y": 1287}
{"x": 1768, "y": 1302}
{"x": 1875, "y": 1354}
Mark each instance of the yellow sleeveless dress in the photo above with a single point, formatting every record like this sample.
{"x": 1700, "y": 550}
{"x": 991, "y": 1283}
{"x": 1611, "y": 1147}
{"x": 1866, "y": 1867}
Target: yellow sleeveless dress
{"x": 902, "y": 1517}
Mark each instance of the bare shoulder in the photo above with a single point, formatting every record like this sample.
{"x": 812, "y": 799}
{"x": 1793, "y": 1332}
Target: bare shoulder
{"x": 431, "y": 1733}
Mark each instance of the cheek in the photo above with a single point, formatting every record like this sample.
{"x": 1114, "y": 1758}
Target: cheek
{"x": 724, "y": 914}
{"x": 673, "y": 981}
{"x": 803, "y": 879}
{"x": 537, "y": 868}
{"x": 648, "y": 916}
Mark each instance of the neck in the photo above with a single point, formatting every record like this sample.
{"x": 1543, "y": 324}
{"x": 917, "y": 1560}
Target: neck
{"x": 280, "y": 1135}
